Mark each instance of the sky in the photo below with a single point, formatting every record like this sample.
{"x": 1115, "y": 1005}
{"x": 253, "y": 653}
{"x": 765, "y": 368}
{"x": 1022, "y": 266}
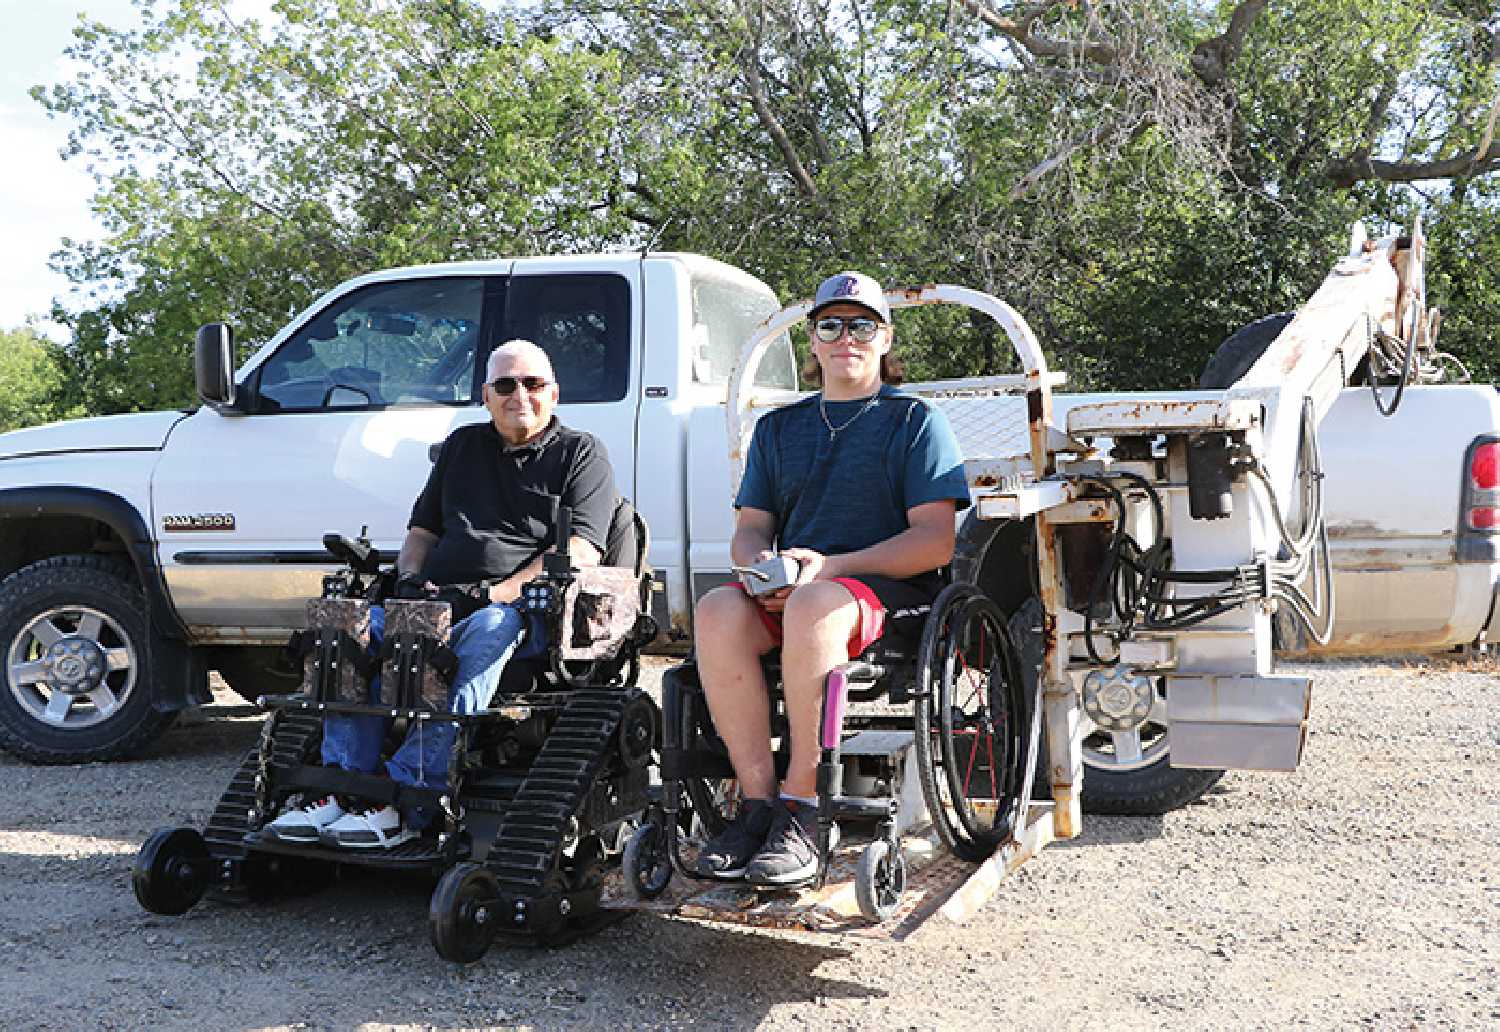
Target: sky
{"x": 42, "y": 197}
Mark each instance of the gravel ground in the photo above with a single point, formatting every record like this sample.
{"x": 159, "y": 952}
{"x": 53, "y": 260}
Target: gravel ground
{"x": 1361, "y": 892}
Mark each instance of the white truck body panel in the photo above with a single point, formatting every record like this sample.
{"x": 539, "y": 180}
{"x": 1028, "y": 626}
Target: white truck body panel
{"x": 135, "y": 431}
{"x": 1393, "y": 521}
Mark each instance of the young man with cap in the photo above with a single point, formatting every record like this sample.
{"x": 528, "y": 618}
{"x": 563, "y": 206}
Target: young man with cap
{"x": 859, "y": 484}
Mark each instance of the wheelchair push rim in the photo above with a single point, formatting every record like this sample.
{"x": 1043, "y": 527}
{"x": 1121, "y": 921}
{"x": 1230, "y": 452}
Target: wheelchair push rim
{"x": 972, "y": 723}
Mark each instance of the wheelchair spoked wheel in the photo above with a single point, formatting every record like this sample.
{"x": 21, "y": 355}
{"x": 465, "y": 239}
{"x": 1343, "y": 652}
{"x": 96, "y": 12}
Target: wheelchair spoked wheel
{"x": 646, "y": 865}
{"x": 880, "y": 880}
{"x": 714, "y": 801}
{"x": 972, "y": 726}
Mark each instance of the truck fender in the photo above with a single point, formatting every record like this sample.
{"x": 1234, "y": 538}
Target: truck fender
{"x": 179, "y": 677}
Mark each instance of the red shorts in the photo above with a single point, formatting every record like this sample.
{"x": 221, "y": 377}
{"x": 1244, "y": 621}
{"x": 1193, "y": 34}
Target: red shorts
{"x": 872, "y": 608}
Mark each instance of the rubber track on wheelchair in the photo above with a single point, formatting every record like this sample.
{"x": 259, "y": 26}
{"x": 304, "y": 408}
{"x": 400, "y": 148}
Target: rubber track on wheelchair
{"x": 226, "y": 829}
{"x": 531, "y": 833}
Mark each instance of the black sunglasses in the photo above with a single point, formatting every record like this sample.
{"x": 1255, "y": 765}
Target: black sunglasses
{"x": 508, "y": 384}
{"x": 831, "y": 327}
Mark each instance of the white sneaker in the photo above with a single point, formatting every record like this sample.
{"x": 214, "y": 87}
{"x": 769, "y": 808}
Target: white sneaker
{"x": 372, "y": 828}
{"x": 304, "y": 823}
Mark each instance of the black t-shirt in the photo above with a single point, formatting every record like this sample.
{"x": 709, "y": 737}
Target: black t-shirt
{"x": 494, "y": 508}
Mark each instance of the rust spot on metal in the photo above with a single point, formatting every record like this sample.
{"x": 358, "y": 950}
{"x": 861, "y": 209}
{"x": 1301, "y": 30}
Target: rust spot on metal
{"x": 986, "y": 480}
{"x": 1034, "y": 406}
{"x": 1049, "y": 628}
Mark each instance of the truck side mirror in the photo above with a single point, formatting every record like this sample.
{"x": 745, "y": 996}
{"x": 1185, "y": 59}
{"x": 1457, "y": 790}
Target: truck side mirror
{"x": 213, "y": 365}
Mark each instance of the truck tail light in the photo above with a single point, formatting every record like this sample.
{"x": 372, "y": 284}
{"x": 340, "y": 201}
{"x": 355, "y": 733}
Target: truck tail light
{"x": 1481, "y": 502}
{"x": 1484, "y": 467}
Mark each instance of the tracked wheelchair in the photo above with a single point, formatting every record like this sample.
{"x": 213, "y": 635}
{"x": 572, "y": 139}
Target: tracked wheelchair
{"x": 945, "y": 683}
{"x": 542, "y": 788}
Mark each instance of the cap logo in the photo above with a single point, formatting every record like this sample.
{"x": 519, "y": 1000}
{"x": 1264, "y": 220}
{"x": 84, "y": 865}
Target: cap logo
{"x": 847, "y": 286}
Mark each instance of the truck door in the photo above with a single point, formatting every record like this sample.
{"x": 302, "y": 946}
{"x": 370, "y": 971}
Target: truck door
{"x": 341, "y": 417}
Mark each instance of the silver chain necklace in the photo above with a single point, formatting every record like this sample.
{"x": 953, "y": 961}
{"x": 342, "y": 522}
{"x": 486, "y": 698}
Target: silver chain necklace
{"x": 834, "y": 431}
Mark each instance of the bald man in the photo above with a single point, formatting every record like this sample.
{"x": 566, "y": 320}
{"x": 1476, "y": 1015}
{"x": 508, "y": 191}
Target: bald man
{"x": 485, "y": 515}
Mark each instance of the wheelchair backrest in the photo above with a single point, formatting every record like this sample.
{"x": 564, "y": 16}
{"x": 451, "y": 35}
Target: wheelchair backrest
{"x": 629, "y": 539}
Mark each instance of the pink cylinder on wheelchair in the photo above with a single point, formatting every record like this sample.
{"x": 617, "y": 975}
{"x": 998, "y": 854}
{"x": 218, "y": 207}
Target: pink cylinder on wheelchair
{"x": 835, "y": 698}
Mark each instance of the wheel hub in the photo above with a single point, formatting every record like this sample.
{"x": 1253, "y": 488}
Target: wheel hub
{"x": 75, "y": 666}
{"x": 1116, "y": 699}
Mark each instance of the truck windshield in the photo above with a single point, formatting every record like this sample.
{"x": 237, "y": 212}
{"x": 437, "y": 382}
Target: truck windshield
{"x": 386, "y": 344}
{"x": 725, "y": 314}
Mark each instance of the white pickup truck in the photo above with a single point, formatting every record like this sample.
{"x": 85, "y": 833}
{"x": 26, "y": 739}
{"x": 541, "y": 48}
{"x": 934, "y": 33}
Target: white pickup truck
{"x": 139, "y": 552}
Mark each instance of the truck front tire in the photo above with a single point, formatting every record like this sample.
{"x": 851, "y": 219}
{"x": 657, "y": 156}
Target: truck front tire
{"x": 75, "y": 668}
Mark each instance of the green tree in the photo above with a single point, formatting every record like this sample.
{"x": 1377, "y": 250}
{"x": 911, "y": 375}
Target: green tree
{"x": 333, "y": 138}
{"x": 30, "y": 379}
{"x": 1138, "y": 179}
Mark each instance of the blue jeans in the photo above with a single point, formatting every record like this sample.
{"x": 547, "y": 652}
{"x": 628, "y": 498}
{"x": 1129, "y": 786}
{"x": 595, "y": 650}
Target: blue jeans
{"x": 483, "y": 642}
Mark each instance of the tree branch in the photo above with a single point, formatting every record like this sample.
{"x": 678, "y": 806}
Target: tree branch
{"x": 1022, "y": 29}
{"x": 761, "y": 103}
{"x": 1212, "y": 57}
{"x": 1356, "y": 168}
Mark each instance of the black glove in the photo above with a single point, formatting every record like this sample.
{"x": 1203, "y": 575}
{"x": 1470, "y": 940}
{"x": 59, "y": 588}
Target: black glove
{"x": 411, "y": 586}
{"x": 465, "y": 599}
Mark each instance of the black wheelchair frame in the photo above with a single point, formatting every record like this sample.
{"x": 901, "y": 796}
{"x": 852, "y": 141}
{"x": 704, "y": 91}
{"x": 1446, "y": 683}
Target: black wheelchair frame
{"x": 542, "y": 788}
{"x": 963, "y": 678}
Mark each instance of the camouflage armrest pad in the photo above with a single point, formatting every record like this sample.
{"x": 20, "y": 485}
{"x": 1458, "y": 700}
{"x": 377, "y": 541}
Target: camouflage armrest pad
{"x": 600, "y": 611}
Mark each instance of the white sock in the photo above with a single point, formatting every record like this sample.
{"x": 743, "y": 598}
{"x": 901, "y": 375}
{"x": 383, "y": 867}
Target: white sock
{"x": 805, "y": 801}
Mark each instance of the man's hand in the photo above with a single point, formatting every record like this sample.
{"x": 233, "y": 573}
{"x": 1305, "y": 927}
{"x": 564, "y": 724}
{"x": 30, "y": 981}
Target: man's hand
{"x": 507, "y": 590}
{"x": 811, "y": 566}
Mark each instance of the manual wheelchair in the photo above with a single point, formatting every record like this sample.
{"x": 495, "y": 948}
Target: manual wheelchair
{"x": 541, "y": 790}
{"x": 946, "y": 683}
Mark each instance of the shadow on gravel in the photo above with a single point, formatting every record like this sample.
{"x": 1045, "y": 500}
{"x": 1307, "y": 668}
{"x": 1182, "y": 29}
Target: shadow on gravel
{"x": 1104, "y": 830}
{"x": 358, "y": 954}
{"x": 736, "y": 976}
{"x": 214, "y": 730}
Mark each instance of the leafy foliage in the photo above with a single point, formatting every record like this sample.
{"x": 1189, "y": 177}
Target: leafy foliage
{"x": 1138, "y": 179}
{"x": 30, "y": 380}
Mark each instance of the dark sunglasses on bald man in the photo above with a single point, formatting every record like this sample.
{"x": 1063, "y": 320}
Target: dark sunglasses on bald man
{"x": 508, "y": 384}
{"x": 831, "y": 327}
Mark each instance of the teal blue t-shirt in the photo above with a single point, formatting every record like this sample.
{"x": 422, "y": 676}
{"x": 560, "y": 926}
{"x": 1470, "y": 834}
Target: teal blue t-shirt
{"x": 838, "y": 493}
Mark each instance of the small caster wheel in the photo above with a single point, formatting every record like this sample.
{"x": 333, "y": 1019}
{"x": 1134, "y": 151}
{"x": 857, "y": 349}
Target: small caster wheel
{"x": 462, "y": 917}
{"x": 880, "y": 880}
{"x": 172, "y": 871}
{"x": 646, "y": 865}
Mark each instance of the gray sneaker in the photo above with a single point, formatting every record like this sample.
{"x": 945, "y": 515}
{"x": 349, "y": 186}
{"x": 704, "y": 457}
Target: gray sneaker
{"x": 725, "y": 855}
{"x": 790, "y": 855}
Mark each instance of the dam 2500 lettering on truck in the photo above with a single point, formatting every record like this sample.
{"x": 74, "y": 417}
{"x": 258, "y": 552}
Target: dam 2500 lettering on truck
{"x": 140, "y": 552}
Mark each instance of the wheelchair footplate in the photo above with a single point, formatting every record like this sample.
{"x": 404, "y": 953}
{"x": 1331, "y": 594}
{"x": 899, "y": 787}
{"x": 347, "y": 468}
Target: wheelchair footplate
{"x": 879, "y": 776}
{"x": 937, "y": 883}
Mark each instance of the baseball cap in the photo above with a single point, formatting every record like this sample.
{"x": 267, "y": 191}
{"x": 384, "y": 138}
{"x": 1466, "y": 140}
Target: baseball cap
{"x": 853, "y": 288}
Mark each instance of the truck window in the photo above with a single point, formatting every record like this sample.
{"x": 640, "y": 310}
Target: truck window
{"x": 728, "y": 313}
{"x": 582, "y": 321}
{"x": 403, "y": 343}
